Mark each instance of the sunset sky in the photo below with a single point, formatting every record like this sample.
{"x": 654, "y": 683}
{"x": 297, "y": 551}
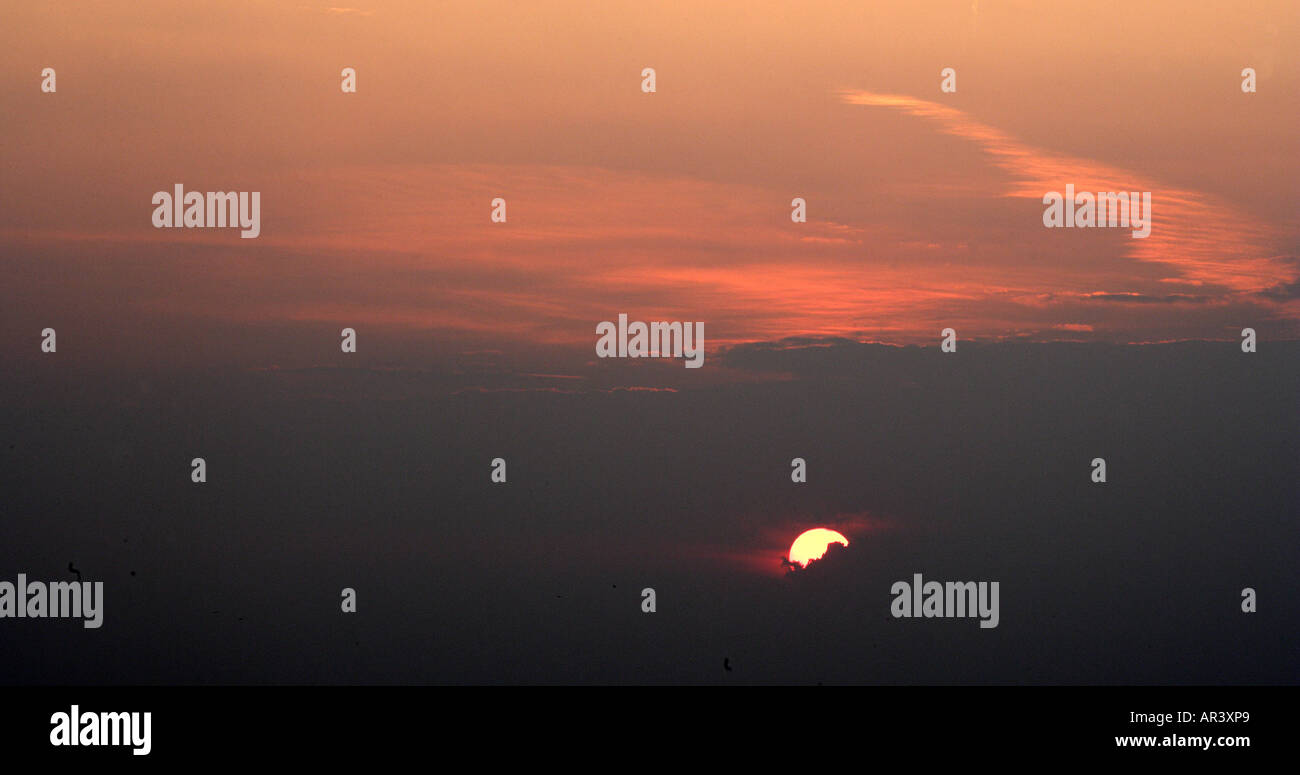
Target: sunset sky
{"x": 475, "y": 340}
{"x": 924, "y": 208}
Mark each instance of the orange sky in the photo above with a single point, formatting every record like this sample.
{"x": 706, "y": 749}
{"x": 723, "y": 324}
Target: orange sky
{"x": 924, "y": 208}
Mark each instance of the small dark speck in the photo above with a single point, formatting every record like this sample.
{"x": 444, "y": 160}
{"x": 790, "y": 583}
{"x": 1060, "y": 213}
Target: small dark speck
{"x": 132, "y": 573}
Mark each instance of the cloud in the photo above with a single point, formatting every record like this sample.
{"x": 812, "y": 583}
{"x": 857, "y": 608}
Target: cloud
{"x": 1143, "y": 298}
{"x": 408, "y": 247}
{"x": 1198, "y": 237}
{"x": 1282, "y": 291}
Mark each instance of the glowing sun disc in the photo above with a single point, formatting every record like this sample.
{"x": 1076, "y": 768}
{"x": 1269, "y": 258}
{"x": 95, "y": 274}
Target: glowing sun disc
{"x": 811, "y": 545}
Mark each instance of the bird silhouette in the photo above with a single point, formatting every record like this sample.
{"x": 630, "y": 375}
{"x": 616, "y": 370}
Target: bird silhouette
{"x": 726, "y": 664}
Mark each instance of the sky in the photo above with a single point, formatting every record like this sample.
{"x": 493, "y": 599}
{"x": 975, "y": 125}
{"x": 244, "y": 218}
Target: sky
{"x": 924, "y": 208}
{"x": 371, "y": 470}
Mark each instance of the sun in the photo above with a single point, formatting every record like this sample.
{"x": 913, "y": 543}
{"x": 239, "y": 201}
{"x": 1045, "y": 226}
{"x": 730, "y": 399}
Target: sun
{"x": 811, "y": 545}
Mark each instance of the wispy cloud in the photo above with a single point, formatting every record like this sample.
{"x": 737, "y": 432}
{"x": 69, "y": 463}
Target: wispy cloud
{"x": 1201, "y": 238}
